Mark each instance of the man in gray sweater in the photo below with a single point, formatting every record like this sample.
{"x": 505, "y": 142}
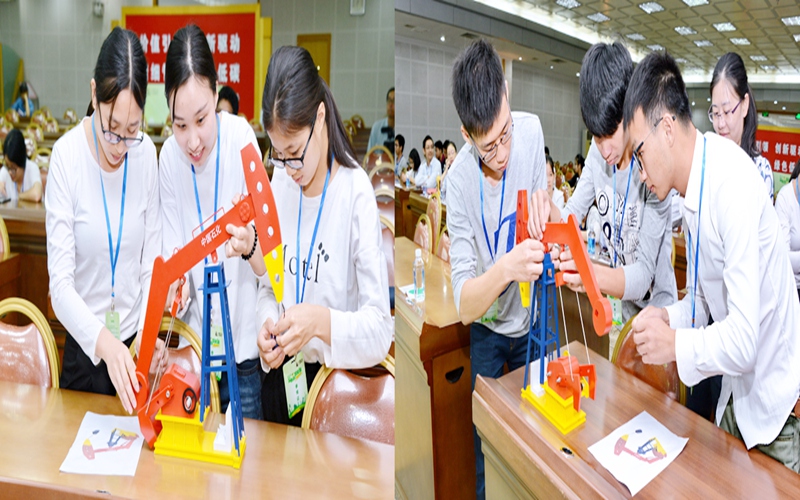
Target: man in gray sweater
{"x": 634, "y": 224}
{"x": 504, "y": 152}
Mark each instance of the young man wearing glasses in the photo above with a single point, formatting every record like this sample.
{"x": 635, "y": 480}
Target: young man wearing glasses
{"x": 738, "y": 263}
{"x": 634, "y": 224}
{"x": 504, "y": 152}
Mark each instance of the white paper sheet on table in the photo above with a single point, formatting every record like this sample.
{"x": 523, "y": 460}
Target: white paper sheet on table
{"x": 105, "y": 444}
{"x": 637, "y": 451}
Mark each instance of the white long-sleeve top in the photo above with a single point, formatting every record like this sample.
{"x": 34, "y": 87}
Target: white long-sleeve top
{"x": 78, "y": 258}
{"x": 427, "y": 173}
{"x": 179, "y": 211}
{"x": 788, "y": 208}
{"x": 29, "y": 179}
{"x": 745, "y": 282}
{"x": 347, "y": 273}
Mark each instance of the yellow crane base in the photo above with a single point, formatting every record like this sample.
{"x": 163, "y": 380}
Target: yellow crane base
{"x": 187, "y": 438}
{"x": 557, "y": 410}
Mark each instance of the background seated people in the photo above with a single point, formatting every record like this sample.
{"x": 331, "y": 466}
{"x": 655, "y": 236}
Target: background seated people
{"x": 20, "y": 178}
{"x": 24, "y": 104}
{"x": 382, "y": 132}
{"x": 227, "y": 100}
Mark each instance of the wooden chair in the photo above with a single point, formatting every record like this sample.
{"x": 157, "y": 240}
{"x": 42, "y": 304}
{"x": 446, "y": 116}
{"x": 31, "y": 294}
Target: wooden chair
{"x": 166, "y": 130}
{"x": 30, "y": 145}
{"x": 12, "y": 116}
{"x": 422, "y": 233}
{"x": 357, "y": 121}
{"x": 256, "y": 125}
{"x": 5, "y": 246}
{"x": 187, "y": 357}
{"x": 28, "y": 354}
{"x": 434, "y": 212}
{"x": 43, "y": 156}
{"x": 384, "y": 196}
{"x": 443, "y": 245}
{"x": 70, "y": 115}
{"x": 353, "y": 405}
{"x": 36, "y": 131}
{"x": 661, "y": 377}
{"x": 39, "y": 117}
{"x": 51, "y": 126}
{"x": 377, "y": 156}
{"x": 382, "y": 176}
{"x": 46, "y": 112}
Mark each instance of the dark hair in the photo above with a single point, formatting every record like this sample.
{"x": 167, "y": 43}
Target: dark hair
{"x": 447, "y": 144}
{"x": 389, "y": 92}
{"x": 580, "y": 160}
{"x": 796, "y": 171}
{"x": 401, "y": 141}
{"x": 120, "y": 65}
{"x": 188, "y": 56}
{"x": 23, "y": 88}
{"x": 229, "y": 95}
{"x": 414, "y": 155}
{"x": 14, "y": 148}
{"x": 546, "y": 151}
{"x": 426, "y": 139}
{"x": 731, "y": 68}
{"x": 478, "y": 87}
{"x": 657, "y": 86}
{"x": 550, "y": 162}
{"x": 438, "y": 145}
{"x": 605, "y": 72}
{"x": 292, "y": 94}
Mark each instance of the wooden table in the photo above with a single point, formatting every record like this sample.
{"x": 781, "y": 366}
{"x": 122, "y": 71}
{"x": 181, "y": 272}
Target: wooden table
{"x": 524, "y": 457}
{"x": 402, "y": 214}
{"x": 38, "y": 426}
{"x": 434, "y": 449}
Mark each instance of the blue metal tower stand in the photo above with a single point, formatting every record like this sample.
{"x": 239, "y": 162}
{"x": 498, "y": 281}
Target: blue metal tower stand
{"x": 214, "y": 282}
{"x": 544, "y": 330}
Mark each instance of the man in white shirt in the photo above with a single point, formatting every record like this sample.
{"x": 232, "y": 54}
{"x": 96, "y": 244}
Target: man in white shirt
{"x": 400, "y": 160}
{"x": 739, "y": 269}
{"x": 430, "y": 169}
{"x": 382, "y": 132}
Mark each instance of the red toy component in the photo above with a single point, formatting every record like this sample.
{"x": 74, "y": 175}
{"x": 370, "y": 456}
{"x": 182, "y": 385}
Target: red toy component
{"x": 566, "y": 380}
{"x": 258, "y": 205}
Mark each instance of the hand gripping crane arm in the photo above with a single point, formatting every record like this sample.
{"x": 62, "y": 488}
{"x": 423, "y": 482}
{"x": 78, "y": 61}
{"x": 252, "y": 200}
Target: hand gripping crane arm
{"x": 258, "y": 205}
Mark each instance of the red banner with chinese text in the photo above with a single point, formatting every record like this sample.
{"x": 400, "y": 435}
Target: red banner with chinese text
{"x": 781, "y": 146}
{"x": 231, "y": 38}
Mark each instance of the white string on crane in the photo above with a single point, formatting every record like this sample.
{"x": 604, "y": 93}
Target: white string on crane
{"x": 564, "y": 320}
{"x": 583, "y": 327}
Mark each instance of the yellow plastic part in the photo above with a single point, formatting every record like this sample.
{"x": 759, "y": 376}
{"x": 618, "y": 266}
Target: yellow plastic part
{"x": 559, "y": 411}
{"x": 525, "y": 294}
{"x": 186, "y": 438}
{"x": 273, "y": 261}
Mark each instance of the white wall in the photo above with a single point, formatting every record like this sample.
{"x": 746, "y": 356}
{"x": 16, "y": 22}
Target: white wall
{"x": 424, "y": 103}
{"x": 59, "y": 42}
{"x": 362, "y": 48}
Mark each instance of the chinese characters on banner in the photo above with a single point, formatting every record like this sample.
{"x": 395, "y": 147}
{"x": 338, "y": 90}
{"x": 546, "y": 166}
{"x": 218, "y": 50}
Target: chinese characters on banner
{"x": 231, "y": 38}
{"x": 781, "y": 146}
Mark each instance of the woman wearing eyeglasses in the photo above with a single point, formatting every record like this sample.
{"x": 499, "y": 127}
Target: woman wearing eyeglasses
{"x": 201, "y": 175}
{"x": 335, "y": 306}
{"x": 19, "y": 177}
{"x": 733, "y": 112}
{"x": 104, "y": 227}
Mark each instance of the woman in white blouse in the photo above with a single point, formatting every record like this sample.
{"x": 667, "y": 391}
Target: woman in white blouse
{"x": 788, "y": 207}
{"x": 104, "y": 227}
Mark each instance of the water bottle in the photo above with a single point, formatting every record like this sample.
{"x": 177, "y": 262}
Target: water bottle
{"x": 408, "y": 179}
{"x": 419, "y": 276}
{"x": 591, "y": 243}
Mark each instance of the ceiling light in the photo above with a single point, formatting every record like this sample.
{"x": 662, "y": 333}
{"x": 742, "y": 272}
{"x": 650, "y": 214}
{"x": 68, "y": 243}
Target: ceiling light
{"x": 441, "y": 38}
{"x": 551, "y": 67}
{"x": 638, "y": 37}
{"x": 769, "y": 67}
{"x": 655, "y": 47}
{"x": 681, "y": 60}
{"x": 692, "y": 103}
{"x": 520, "y": 58}
{"x": 703, "y": 43}
{"x": 725, "y": 27}
{"x": 797, "y": 38}
{"x": 791, "y": 21}
{"x": 599, "y": 17}
{"x": 568, "y": 4}
{"x": 774, "y": 102}
{"x": 651, "y": 7}
{"x": 578, "y": 75}
{"x": 783, "y": 108}
{"x": 685, "y": 30}
{"x": 758, "y": 58}
{"x": 740, "y": 41}
{"x": 708, "y": 99}
{"x": 695, "y": 3}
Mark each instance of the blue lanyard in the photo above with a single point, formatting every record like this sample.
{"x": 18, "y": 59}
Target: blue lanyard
{"x": 298, "y": 298}
{"x": 216, "y": 189}
{"x": 492, "y": 254}
{"x": 113, "y": 254}
{"x": 697, "y": 242}
{"x": 624, "y": 204}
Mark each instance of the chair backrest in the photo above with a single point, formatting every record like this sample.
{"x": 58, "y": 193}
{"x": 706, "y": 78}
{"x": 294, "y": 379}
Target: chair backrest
{"x": 12, "y": 115}
{"x": 5, "y": 246}
{"x": 344, "y": 403}
{"x": 422, "y": 233}
{"x": 377, "y": 156}
{"x": 443, "y": 245}
{"x": 187, "y": 357}
{"x": 661, "y": 377}
{"x": 382, "y": 176}
{"x": 387, "y": 235}
{"x": 43, "y": 156}
{"x": 28, "y": 354}
{"x": 70, "y": 115}
{"x": 434, "y": 213}
{"x": 30, "y": 145}
{"x": 357, "y": 121}
{"x": 384, "y": 196}
{"x": 36, "y": 131}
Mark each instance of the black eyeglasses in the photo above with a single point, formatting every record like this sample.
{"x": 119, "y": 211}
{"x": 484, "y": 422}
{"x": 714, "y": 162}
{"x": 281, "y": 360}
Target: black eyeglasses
{"x": 638, "y": 151}
{"x": 489, "y": 156}
{"x": 113, "y": 138}
{"x": 716, "y": 115}
{"x": 293, "y": 163}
